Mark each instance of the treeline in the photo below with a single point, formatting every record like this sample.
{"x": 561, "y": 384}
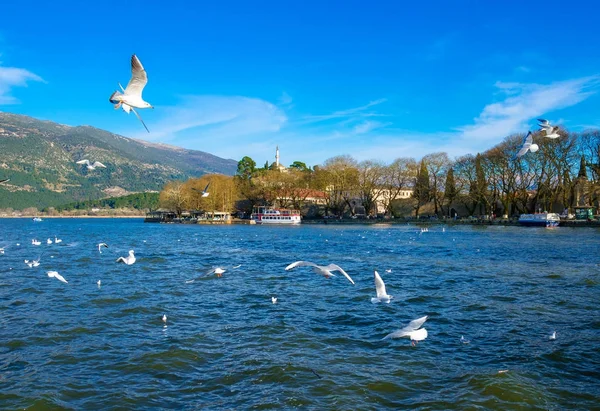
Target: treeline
{"x": 561, "y": 174}
{"x": 139, "y": 201}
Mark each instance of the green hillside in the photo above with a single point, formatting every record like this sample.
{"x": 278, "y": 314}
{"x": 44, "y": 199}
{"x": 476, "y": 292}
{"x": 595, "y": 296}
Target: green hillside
{"x": 39, "y": 158}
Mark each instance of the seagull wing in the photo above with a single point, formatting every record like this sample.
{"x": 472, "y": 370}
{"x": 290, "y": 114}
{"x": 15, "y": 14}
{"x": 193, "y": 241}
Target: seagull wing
{"x": 527, "y": 142}
{"x": 543, "y": 122}
{"x": 206, "y": 188}
{"x": 379, "y": 286}
{"x": 138, "y": 78}
{"x": 5, "y": 180}
{"x": 86, "y": 162}
{"x": 415, "y": 324}
{"x": 140, "y": 118}
{"x": 56, "y": 275}
{"x": 98, "y": 164}
{"x": 300, "y": 264}
{"x": 335, "y": 267}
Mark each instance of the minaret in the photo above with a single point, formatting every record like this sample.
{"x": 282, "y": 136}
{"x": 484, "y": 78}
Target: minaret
{"x": 277, "y": 157}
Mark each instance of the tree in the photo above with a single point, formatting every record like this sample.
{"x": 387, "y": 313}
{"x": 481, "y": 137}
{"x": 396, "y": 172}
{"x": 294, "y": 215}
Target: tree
{"x": 339, "y": 179}
{"x": 398, "y": 176}
{"x": 421, "y": 190}
{"x": 300, "y": 166}
{"x": 437, "y": 166}
{"x": 370, "y": 184}
{"x": 246, "y": 168}
{"x": 450, "y": 191}
{"x": 173, "y": 197}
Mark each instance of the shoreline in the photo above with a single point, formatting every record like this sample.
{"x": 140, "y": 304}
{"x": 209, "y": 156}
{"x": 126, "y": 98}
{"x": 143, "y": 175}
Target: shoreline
{"x": 74, "y": 216}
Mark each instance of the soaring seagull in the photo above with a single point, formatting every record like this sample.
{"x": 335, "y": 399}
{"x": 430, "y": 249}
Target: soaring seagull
{"x": 132, "y": 95}
{"x": 55, "y": 274}
{"x": 413, "y": 330}
{"x": 204, "y": 192}
{"x": 324, "y": 270}
{"x": 382, "y": 295}
{"x": 547, "y": 129}
{"x": 528, "y": 145}
{"x": 91, "y": 166}
{"x": 4, "y": 180}
{"x": 130, "y": 259}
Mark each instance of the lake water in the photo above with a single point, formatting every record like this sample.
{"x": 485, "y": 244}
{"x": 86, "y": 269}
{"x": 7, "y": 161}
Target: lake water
{"x": 226, "y": 346}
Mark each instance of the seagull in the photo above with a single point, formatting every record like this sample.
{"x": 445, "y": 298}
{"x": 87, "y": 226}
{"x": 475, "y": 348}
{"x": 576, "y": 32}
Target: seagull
{"x": 57, "y": 240}
{"x": 325, "y": 270}
{"x": 91, "y": 166}
{"x": 528, "y": 145}
{"x": 547, "y": 129}
{"x": 543, "y": 122}
{"x": 464, "y": 340}
{"x": 35, "y": 242}
{"x": 274, "y": 300}
{"x": 130, "y": 259}
{"x": 382, "y": 295}
{"x": 4, "y": 180}
{"x": 99, "y": 283}
{"x": 218, "y": 271}
{"x": 102, "y": 245}
{"x": 204, "y": 192}
{"x": 413, "y": 330}
{"x": 33, "y": 263}
{"x": 388, "y": 270}
{"x": 56, "y": 275}
{"x": 131, "y": 96}
{"x": 552, "y": 336}
{"x": 1, "y": 250}
{"x": 164, "y": 318}
{"x": 49, "y": 241}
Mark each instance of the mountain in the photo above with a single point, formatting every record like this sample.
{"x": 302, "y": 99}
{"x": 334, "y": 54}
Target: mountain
{"x": 39, "y": 158}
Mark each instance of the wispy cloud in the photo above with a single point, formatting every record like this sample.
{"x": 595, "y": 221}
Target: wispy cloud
{"x": 285, "y": 99}
{"x": 11, "y": 77}
{"x": 356, "y": 112}
{"x": 369, "y": 125}
{"x": 523, "y": 102}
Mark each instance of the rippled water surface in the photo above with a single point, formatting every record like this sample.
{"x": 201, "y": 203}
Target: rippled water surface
{"x": 227, "y": 346}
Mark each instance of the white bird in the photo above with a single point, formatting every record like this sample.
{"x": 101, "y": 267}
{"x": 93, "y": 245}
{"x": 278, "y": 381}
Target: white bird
{"x": 102, "y": 245}
{"x": 528, "y": 145}
{"x": 324, "y": 270}
{"x": 130, "y": 259}
{"x": 48, "y": 241}
{"x": 57, "y": 240}
{"x": 218, "y": 271}
{"x": 99, "y": 283}
{"x": 382, "y": 295}
{"x": 413, "y": 330}
{"x": 204, "y": 192}
{"x": 552, "y": 336}
{"x": 56, "y": 275}
{"x": 4, "y": 180}
{"x": 550, "y": 132}
{"x": 389, "y": 270}
{"x": 132, "y": 95}
{"x": 543, "y": 122}
{"x": 91, "y": 166}
{"x": 164, "y": 318}
{"x": 1, "y": 250}
{"x": 33, "y": 263}
{"x": 464, "y": 340}
{"x": 35, "y": 242}
{"x": 274, "y": 300}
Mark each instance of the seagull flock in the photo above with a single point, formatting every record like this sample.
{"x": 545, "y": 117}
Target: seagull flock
{"x": 546, "y": 130}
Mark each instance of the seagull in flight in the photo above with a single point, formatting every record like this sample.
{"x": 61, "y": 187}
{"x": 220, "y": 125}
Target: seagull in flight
{"x": 528, "y": 145}
{"x": 56, "y": 275}
{"x": 382, "y": 295}
{"x": 324, "y": 270}
{"x": 413, "y": 330}
{"x": 131, "y": 96}
{"x": 547, "y": 129}
{"x": 130, "y": 259}
{"x": 204, "y": 192}
{"x": 102, "y": 245}
{"x": 4, "y": 180}
{"x": 91, "y": 166}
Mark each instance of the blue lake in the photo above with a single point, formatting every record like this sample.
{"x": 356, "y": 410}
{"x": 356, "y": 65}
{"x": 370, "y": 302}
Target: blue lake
{"x": 227, "y": 346}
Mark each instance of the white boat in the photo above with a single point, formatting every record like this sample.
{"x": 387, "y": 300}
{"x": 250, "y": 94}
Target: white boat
{"x": 271, "y": 215}
{"x": 540, "y": 219}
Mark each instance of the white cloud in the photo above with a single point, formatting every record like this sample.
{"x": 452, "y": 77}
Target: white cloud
{"x": 352, "y": 113}
{"x": 368, "y": 126}
{"x": 14, "y": 77}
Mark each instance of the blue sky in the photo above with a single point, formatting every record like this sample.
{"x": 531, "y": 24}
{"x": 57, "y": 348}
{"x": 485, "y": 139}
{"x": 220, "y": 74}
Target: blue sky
{"x": 375, "y": 80}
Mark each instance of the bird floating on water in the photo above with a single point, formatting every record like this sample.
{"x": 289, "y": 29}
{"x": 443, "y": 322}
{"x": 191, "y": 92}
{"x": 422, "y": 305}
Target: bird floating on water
{"x": 49, "y": 241}
{"x": 528, "y": 145}
{"x": 324, "y": 270}
{"x": 464, "y": 340}
{"x": 99, "y": 283}
{"x": 552, "y": 336}
{"x": 91, "y": 166}
{"x": 56, "y": 275}
{"x": 35, "y": 242}
{"x": 57, "y": 240}
{"x": 33, "y": 263}
{"x": 130, "y": 259}
{"x": 382, "y": 295}
{"x": 131, "y": 96}
{"x": 413, "y": 330}
{"x": 274, "y": 300}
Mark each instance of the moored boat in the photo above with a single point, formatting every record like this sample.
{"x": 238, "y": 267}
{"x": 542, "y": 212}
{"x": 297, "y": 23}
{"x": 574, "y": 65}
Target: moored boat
{"x": 271, "y": 215}
{"x": 540, "y": 219}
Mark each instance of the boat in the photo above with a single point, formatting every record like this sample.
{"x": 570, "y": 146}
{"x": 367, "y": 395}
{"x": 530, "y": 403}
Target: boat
{"x": 551, "y": 224}
{"x": 37, "y": 219}
{"x": 272, "y": 215}
{"x": 540, "y": 219}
